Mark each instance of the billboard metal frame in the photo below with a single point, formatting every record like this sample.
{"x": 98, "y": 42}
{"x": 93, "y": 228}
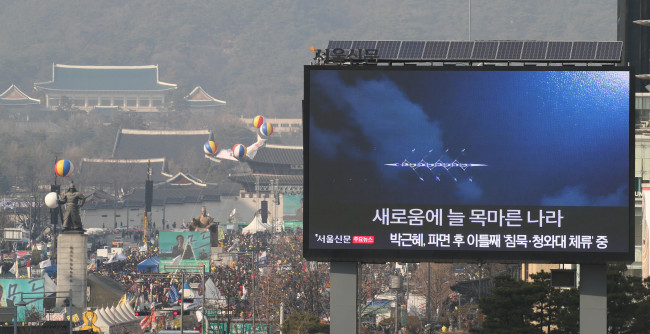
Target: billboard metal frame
{"x": 411, "y": 255}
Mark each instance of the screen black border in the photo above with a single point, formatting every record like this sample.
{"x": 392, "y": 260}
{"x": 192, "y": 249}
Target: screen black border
{"x": 385, "y": 255}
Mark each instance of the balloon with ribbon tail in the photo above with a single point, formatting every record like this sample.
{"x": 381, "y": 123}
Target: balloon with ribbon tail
{"x": 266, "y": 129}
{"x": 239, "y": 151}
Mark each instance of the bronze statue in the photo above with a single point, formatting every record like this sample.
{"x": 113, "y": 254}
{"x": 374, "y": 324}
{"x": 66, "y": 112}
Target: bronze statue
{"x": 205, "y": 223}
{"x": 202, "y": 223}
{"x": 73, "y": 201}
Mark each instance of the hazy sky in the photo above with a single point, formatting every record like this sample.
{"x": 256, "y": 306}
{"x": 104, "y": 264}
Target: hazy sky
{"x": 250, "y": 53}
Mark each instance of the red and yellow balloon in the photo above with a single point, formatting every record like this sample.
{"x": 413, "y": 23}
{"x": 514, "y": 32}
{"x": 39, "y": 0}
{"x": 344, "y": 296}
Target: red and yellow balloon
{"x": 258, "y": 121}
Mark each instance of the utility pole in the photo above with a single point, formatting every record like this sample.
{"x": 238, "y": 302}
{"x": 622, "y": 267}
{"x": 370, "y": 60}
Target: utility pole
{"x": 460, "y": 312}
{"x": 470, "y": 20}
{"x": 183, "y": 297}
{"x": 253, "y": 288}
{"x": 205, "y": 320}
{"x": 281, "y": 316}
{"x": 428, "y": 291}
{"x": 70, "y": 310}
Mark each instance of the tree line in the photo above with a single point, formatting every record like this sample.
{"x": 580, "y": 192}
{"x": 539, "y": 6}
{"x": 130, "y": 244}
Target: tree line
{"x": 517, "y": 306}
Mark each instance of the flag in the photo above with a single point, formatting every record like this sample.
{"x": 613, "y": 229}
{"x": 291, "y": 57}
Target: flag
{"x": 111, "y": 258}
{"x": 146, "y": 322}
{"x": 252, "y": 149}
{"x": 199, "y": 315}
{"x": 14, "y": 268}
{"x": 93, "y": 264}
{"x": 211, "y": 291}
{"x": 233, "y": 212}
{"x": 7, "y": 204}
{"x": 49, "y": 286}
{"x": 153, "y": 317}
{"x": 262, "y": 259}
{"x": 187, "y": 290}
{"x": 122, "y": 300}
{"x": 173, "y": 293}
{"x": 143, "y": 248}
{"x": 45, "y": 263}
{"x": 226, "y": 154}
{"x": 177, "y": 260}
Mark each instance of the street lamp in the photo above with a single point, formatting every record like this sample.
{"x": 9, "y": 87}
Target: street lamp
{"x": 182, "y": 269}
{"x": 396, "y": 284}
{"x": 22, "y": 303}
{"x": 16, "y": 315}
{"x": 469, "y": 20}
{"x": 19, "y": 304}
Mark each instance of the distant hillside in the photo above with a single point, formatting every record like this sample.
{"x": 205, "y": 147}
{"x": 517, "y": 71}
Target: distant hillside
{"x": 250, "y": 53}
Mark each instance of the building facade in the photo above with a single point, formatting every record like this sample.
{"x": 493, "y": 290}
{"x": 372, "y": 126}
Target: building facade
{"x": 274, "y": 169}
{"x": 281, "y": 126}
{"x": 635, "y": 37}
{"x": 134, "y": 88}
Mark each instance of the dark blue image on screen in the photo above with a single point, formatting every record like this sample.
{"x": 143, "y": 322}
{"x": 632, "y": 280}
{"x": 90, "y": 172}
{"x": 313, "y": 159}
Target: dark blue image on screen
{"x": 557, "y": 138}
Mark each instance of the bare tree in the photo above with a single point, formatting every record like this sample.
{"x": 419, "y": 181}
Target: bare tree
{"x": 373, "y": 280}
{"x": 434, "y": 280}
{"x": 268, "y": 298}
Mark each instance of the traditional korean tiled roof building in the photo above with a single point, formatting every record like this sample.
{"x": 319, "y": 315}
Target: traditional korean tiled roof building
{"x": 177, "y": 198}
{"x": 14, "y": 97}
{"x": 135, "y": 152}
{"x": 199, "y": 99}
{"x": 270, "y": 163}
{"x": 134, "y": 88}
{"x": 176, "y": 146}
{"x": 121, "y": 173}
{"x": 185, "y": 188}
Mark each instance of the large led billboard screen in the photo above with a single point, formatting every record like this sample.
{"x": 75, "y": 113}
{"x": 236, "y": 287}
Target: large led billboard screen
{"x": 191, "y": 249}
{"x": 468, "y": 163}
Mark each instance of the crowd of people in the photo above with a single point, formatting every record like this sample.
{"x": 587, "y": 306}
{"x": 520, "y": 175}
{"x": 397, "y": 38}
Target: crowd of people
{"x": 263, "y": 272}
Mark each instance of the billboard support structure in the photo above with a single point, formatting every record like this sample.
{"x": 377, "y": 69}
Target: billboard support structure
{"x": 343, "y": 297}
{"x": 593, "y": 298}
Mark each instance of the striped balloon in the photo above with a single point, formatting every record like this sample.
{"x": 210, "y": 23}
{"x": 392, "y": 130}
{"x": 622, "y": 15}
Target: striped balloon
{"x": 266, "y": 129}
{"x": 258, "y": 121}
{"x": 63, "y": 168}
{"x": 239, "y": 151}
{"x": 210, "y": 147}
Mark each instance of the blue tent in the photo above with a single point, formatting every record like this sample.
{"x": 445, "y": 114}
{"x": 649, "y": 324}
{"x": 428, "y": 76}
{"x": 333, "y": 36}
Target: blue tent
{"x": 50, "y": 270}
{"x": 149, "y": 265}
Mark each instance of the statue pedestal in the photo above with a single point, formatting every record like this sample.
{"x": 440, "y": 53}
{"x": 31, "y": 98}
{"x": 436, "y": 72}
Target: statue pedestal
{"x": 72, "y": 255}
